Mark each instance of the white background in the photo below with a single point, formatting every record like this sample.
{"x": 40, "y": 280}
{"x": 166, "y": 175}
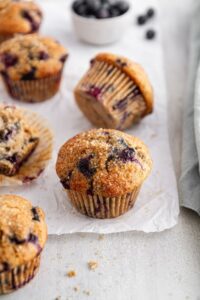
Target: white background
{"x": 134, "y": 266}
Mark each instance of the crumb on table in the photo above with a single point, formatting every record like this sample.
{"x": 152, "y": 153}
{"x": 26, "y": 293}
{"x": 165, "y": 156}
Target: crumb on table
{"x": 92, "y": 265}
{"x": 76, "y": 288}
{"x": 101, "y": 237}
{"x": 71, "y": 273}
{"x": 86, "y": 292}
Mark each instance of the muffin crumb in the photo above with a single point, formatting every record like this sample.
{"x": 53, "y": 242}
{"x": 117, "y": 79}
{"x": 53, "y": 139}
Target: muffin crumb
{"x": 86, "y": 292}
{"x": 76, "y": 288}
{"x": 71, "y": 273}
{"x": 101, "y": 237}
{"x": 92, "y": 265}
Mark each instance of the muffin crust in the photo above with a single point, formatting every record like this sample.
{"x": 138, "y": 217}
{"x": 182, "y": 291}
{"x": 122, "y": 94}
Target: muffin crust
{"x": 20, "y": 17}
{"x": 31, "y": 57}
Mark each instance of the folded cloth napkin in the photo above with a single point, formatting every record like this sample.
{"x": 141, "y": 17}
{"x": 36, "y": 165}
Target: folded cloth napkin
{"x": 190, "y": 176}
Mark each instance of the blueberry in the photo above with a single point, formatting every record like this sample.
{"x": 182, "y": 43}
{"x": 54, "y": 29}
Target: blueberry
{"x": 150, "y": 34}
{"x": 13, "y": 159}
{"x": 93, "y": 5}
{"x": 127, "y": 154}
{"x": 94, "y": 91}
{"x": 66, "y": 181}
{"x": 5, "y": 135}
{"x": 82, "y": 10}
{"x": 34, "y": 25}
{"x": 121, "y": 104}
{"x": 103, "y": 13}
{"x": 35, "y": 214}
{"x": 63, "y": 58}
{"x": 32, "y": 238}
{"x": 105, "y": 2}
{"x": 136, "y": 91}
{"x": 114, "y": 12}
{"x": 84, "y": 166}
{"x": 43, "y": 55}
{"x": 141, "y": 20}
{"x": 123, "y": 6}
{"x": 9, "y": 60}
{"x": 15, "y": 240}
{"x": 150, "y": 13}
{"x": 76, "y": 4}
{"x": 29, "y": 75}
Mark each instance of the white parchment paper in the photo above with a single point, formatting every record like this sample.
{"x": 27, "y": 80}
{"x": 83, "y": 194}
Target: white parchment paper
{"x": 157, "y": 206}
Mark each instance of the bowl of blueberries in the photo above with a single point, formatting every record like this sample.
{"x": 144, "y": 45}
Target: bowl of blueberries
{"x": 100, "y": 21}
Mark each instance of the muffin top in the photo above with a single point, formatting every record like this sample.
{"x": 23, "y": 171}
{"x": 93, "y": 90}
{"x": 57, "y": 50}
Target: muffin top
{"x": 135, "y": 72}
{"x": 14, "y": 132}
{"x": 23, "y": 231}
{"x": 4, "y": 3}
{"x": 103, "y": 161}
{"x": 30, "y": 57}
{"x": 20, "y": 17}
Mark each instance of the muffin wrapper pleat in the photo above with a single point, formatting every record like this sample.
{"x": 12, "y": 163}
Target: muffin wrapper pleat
{"x": 121, "y": 102}
{"x": 41, "y": 156}
{"x": 33, "y": 91}
{"x": 102, "y": 207}
{"x": 17, "y": 277}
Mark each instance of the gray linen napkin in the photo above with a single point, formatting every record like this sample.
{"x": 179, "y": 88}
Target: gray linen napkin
{"x": 190, "y": 178}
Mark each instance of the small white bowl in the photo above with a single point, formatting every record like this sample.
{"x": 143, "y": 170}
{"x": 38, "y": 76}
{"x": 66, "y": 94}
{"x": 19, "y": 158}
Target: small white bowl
{"x": 101, "y": 31}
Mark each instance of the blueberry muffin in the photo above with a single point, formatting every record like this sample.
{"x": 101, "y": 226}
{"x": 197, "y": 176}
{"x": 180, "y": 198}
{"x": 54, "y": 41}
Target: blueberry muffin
{"x": 18, "y": 17}
{"x": 114, "y": 93}
{"x": 102, "y": 171}
{"x": 31, "y": 67}
{"x": 23, "y": 234}
{"x": 17, "y": 140}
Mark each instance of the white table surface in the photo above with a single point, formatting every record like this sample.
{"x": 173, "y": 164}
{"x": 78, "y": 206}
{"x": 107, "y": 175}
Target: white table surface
{"x": 134, "y": 265}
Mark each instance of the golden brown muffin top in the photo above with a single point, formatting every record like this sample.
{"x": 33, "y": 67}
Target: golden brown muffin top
{"x": 104, "y": 162}
{"x": 30, "y": 57}
{"x": 134, "y": 71}
{"x": 23, "y": 231}
{"x": 20, "y": 17}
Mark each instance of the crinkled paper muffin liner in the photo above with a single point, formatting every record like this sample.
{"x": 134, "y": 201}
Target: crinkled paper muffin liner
{"x": 33, "y": 91}
{"x": 109, "y": 98}
{"x": 16, "y": 278}
{"x": 102, "y": 207}
{"x": 40, "y": 157}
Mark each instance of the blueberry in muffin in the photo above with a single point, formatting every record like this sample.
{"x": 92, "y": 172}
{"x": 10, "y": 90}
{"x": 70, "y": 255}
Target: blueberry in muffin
{"x": 23, "y": 234}
{"x": 115, "y": 92}
{"x": 102, "y": 171}
{"x": 31, "y": 67}
{"x": 17, "y": 140}
{"x": 19, "y": 17}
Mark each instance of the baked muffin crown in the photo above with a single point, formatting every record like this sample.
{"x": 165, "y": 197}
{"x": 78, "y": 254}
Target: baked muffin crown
{"x": 23, "y": 231}
{"x": 135, "y": 72}
{"x": 20, "y": 17}
{"x": 103, "y": 162}
{"x": 31, "y": 56}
